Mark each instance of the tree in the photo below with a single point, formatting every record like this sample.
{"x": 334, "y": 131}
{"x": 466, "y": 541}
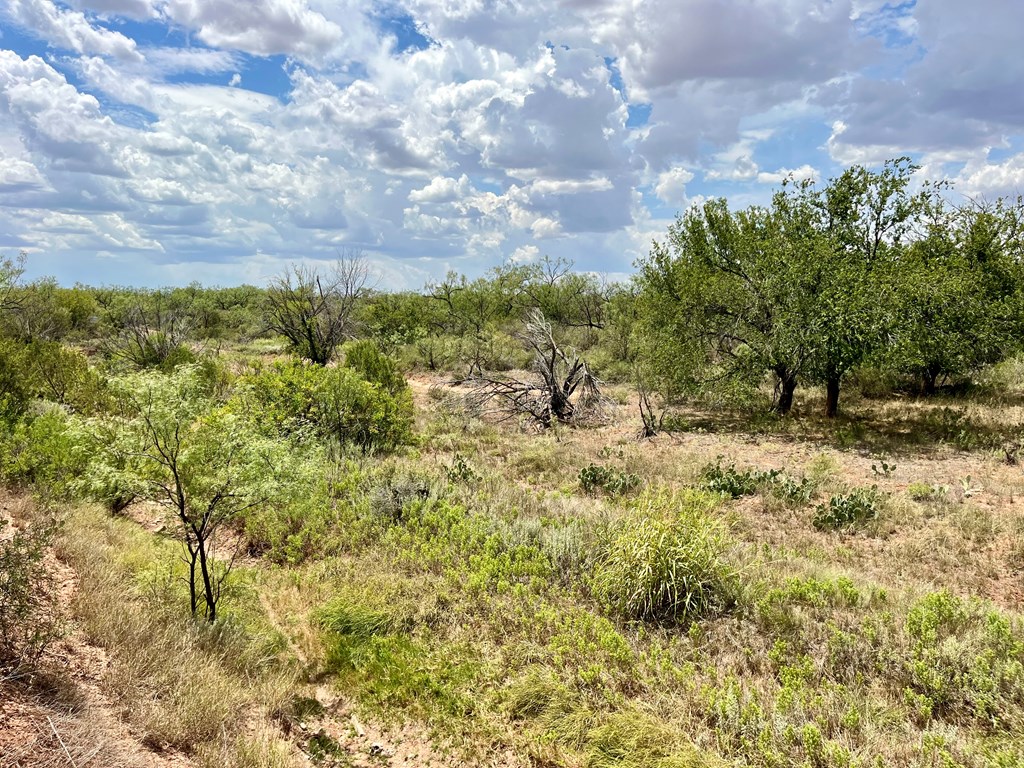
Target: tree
{"x": 567, "y": 391}
{"x": 314, "y": 312}
{"x": 728, "y": 299}
{"x": 862, "y": 220}
{"x": 803, "y": 289}
{"x": 960, "y": 290}
{"x": 475, "y": 311}
{"x": 11, "y": 271}
{"x": 203, "y": 463}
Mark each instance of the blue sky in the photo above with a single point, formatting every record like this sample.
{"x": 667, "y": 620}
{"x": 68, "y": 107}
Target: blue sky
{"x": 156, "y": 142}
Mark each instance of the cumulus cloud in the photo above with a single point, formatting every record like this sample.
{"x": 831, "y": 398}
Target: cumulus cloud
{"x": 70, "y": 30}
{"x": 261, "y": 27}
{"x": 671, "y": 186}
{"x": 803, "y": 173}
{"x": 521, "y": 127}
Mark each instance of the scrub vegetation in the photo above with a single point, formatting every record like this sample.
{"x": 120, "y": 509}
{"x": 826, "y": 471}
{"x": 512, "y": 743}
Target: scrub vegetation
{"x": 532, "y": 519}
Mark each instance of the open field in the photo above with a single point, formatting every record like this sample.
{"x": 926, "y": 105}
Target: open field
{"x": 449, "y": 604}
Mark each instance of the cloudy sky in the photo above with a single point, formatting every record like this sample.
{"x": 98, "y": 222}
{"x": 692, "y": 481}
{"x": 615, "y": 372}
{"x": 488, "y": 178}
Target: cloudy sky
{"x": 156, "y": 142}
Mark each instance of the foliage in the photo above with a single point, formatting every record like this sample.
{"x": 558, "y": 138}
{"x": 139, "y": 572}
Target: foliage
{"x": 735, "y": 483}
{"x": 48, "y": 451}
{"x": 801, "y": 289}
{"x": 848, "y": 510}
{"x": 336, "y": 403}
{"x": 30, "y": 613}
{"x": 594, "y": 477}
{"x": 666, "y": 561}
{"x": 965, "y": 661}
{"x": 205, "y": 464}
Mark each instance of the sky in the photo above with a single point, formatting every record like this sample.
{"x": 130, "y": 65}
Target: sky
{"x": 160, "y": 142}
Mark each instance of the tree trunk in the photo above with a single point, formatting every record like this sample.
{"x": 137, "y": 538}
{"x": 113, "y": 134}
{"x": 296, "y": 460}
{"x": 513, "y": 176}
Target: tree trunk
{"x": 211, "y": 600}
{"x": 832, "y": 397}
{"x": 929, "y": 380}
{"x": 787, "y": 383}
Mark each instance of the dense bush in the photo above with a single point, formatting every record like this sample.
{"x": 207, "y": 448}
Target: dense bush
{"x": 338, "y": 403}
{"x": 666, "y": 561}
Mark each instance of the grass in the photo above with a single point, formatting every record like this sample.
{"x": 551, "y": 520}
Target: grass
{"x": 817, "y": 595}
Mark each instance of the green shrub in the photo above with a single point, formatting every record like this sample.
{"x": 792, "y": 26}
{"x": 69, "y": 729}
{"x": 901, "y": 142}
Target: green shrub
{"x": 366, "y": 359}
{"x": 847, "y": 511}
{"x": 47, "y": 451}
{"x": 30, "y": 616}
{"x": 294, "y": 397}
{"x": 594, "y": 477}
{"x": 16, "y": 382}
{"x": 666, "y": 562}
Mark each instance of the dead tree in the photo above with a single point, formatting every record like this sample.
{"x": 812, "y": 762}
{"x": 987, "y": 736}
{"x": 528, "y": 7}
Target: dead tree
{"x": 651, "y": 421}
{"x": 565, "y": 392}
{"x": 314, "y": 311}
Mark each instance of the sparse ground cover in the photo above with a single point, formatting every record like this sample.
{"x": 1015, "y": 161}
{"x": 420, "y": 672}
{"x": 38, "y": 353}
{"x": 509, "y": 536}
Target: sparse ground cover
{"x": 736, "y": 591}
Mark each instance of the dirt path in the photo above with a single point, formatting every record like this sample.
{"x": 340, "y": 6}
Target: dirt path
{"x": 58, "y": 714}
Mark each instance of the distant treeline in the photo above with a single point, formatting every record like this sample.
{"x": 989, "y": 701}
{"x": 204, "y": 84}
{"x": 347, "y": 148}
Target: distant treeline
{"x": 858, "y": 278}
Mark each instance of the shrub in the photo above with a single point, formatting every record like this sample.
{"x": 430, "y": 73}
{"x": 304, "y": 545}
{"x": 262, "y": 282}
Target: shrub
{"x": 29, "y": 608}
{"x": 594, "y": 477}
{"x": 366, "y": 359}
{"x": 965, "y": 661}
{"x": 847, "y": 511}
{"x": 48, "y": 451}
{"x": 666, "y": 561}
{"x": 336, "y": 403}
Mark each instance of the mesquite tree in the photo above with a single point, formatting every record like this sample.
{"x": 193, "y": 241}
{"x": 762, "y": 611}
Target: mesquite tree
{"x": 314, "y": 311}
{"x": 204, "y": 464}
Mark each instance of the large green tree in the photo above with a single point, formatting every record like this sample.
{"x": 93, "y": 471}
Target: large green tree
{"x": 801, "y": 289}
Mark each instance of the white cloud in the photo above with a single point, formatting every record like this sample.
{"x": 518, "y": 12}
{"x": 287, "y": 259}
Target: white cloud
{"x": 803, "y": 173}
{"x": 671, "y": 186}
{"x": 71, "y": 30}
{"x": 261, "y": 27}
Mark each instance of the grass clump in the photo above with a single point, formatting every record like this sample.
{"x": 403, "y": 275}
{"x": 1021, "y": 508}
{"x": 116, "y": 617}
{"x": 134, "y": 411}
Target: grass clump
{"x": 666, "y": 561}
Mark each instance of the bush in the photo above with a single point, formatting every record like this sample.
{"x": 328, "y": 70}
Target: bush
{"x": 29, "y": 608}
{"x": 666, "y": 561}
{"x": 366, "y": 359}
{"x": 334, "y": 403}
{"x": 47, "y": 451}
{"x": 847, "y": 511}
{"x": 15, "y": 380}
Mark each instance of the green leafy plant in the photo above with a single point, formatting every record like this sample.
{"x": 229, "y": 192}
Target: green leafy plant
{"x": 594, "y": 477}
{"x": 848, "y": 510}
{"x": 30, "y": 615}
